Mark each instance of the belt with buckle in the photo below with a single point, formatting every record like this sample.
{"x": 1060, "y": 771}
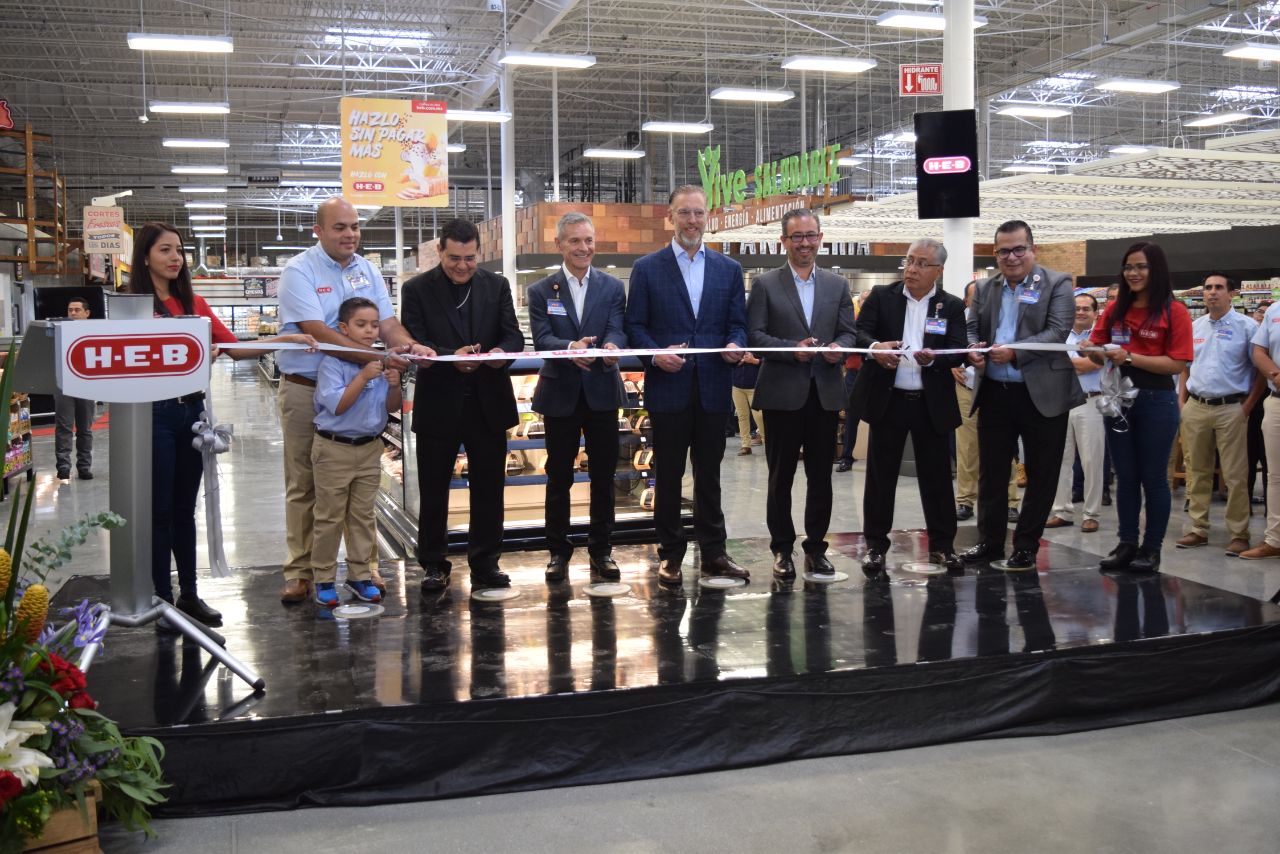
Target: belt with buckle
{"x": 1089, "y": 394}
{"x": 344, "y": 440}
{"x": 909, "y": 393}
{"x": 195, "y": 397}
{"x": 1216, "y": 401}
{"x": 300, "y": 380}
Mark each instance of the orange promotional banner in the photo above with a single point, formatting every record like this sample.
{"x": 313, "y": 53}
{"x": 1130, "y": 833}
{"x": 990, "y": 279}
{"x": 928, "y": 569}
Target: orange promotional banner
{"x": 394, "y": 152}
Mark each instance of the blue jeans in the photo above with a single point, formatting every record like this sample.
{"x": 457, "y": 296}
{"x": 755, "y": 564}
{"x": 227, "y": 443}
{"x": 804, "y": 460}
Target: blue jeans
{"x": 1140, "y": 456}
{"x": 176, "y": 469}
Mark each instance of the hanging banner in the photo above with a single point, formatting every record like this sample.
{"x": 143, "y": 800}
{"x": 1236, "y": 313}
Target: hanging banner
{"x": 393, "y": 152}
{"x": 103, "y": 230}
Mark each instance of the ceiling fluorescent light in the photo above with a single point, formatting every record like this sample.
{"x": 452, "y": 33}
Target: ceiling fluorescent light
{"x": 195, "y": 143}
{"x": 1129, "y": 149}
{"x": 677, "y": 127}
{"x": 313, "y": 182}
{"x": 210, "y": 227}
{"x": 191, "y": 108}
{"x": 198, "y": 170}
{"x": 1215, "y": 120}
{"x": 1027, "y": 167}
{"x": 202, "y": 189}
{"x": 455, "y": 148}
{"x": 195, "y": 217}
{"x": 1139, "y": 87}
{"x": 1253, "y": 50}
{"x": 767, "y": 96}
{"x": 477, "y": 116}
{"x": 936, "y": 21}
{"x": 835, "y": 64}
{"x": 183, "y": 44}
{"x": 375, "y": 37}
{"x": 548, "y": 60}
{"x": 201, "y": 235}
{"x": 848, "y": 161}
{"x": 1027, "y": 111}
{"x": 194, "y": 206}
{"x": 283, "y": 246}
{"x": 613, "y": 153}
{"x": 905, "y": 136}
{"x": 1053, "y": 143}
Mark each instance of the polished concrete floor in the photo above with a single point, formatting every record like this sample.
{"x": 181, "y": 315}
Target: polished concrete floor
{"x": 1187, "y": 785}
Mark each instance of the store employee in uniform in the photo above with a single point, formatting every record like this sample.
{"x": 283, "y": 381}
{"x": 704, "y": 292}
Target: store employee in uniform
{"x": 312, "y": 288}
{"x": 579, "y": 306}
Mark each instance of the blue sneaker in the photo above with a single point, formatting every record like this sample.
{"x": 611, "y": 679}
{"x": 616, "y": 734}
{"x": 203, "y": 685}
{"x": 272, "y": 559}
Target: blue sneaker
{"x": 364, "y": 591}
{"x": 327, "y": 594}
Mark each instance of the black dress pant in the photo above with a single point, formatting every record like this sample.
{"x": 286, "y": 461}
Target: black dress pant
{"x": 486, "y": 476}
{"x": 1005, "y": 414}
{"x": 814, "y": 429}
{"x": 600, "y": 430}
{"x": 908, "y": 415}
{"x": 698, "y": 434}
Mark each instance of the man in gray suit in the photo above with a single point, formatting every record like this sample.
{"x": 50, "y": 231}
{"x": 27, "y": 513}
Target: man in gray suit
{"x": 798, "y": 305}
{"x": 572, "y": 309}
{"x": 1025, "y": 394}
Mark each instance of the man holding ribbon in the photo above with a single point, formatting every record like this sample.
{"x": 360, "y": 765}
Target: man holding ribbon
{"x": 313, "y": 287}
{"x": 1020, "y": 394}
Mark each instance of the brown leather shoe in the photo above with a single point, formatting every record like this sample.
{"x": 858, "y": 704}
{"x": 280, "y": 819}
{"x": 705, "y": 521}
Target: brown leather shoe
{"x": 1191, "y": 540}
{"x": 744, "y": 451}
{"x": 756, "y": 440}
{"x": 1259, "y": 552}
{"x": 723, "y": 565}
{"x": 295, "y": 590}
{"x": 1089, "y": 526}
{"x": 376, "y": 580}
{"x": 669, "y": 572}
{"x": 1237, "y": 546}
{"x": 1058, "y": 522}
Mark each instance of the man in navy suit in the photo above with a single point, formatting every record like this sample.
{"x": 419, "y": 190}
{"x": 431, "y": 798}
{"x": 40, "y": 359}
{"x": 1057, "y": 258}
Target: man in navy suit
{"x": 686, "y": 295}
{"x": 572, "y": 309}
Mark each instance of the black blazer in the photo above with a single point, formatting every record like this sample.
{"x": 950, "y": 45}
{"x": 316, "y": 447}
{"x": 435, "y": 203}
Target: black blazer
{"x": 882, "y": 317}
{"x": 431, "y": 315}
{"x": 560, "y": 381}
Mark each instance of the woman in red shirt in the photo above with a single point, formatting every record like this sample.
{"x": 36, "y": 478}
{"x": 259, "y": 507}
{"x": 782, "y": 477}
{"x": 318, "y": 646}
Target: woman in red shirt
{"x": 159, "y": 267}
{"x": 1153, "y": 331}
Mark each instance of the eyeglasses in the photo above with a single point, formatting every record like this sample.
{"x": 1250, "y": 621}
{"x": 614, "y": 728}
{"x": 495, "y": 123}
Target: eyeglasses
{"x": 1013, "y": 252}
{"x": 919, "y": 263}
{"x": 691, "y": 213}
{"x": 804, "y": 237}
{"x": 1135, "y": 268}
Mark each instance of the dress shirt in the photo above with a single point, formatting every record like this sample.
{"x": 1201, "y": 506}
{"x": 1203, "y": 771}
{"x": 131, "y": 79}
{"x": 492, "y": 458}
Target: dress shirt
{"x": 908, "y": 375}
{"x": 577, "y": 291}
{"x": 366, "y": 417}
{"x": 312, "y": 287}
{"x": 805, "y": 288}
{"x": 1092, "y": 381}
{"x": 692, "y": 269}
{"x": 1223, "y": 347}
{"x": 1268, "y": 336}
{"x": 1007, "y": 331}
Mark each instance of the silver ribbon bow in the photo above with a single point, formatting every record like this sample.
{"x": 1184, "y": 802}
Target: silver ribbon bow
{"x": 1117, "y": 395}
{"x": 212, "y": 439}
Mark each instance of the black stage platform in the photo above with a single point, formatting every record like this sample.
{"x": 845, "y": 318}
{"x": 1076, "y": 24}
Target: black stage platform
{"x": 460, "y": 697}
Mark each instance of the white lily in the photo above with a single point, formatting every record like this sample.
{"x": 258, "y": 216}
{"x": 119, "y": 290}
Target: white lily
{"x": 23, "y": 762}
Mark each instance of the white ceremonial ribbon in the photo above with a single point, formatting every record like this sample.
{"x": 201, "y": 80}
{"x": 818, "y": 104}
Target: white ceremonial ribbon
{"x": 1117, "y": 395}
{"x": 212, "y": 439}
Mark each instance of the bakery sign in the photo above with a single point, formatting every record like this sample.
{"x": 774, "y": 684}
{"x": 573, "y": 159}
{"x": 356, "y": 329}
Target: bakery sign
{"x": 132, "y": 361}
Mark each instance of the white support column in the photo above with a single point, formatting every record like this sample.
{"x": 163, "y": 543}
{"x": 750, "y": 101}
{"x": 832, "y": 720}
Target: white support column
{"x": 508, "y": 138}
{"x": 555, "y": 136}
{"x": 957, "y": 94}
{"x": 804, "y": 102}
{"x": 399, "y": 255}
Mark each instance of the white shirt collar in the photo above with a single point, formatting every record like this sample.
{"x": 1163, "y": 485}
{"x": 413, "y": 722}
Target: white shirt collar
{"x": 574, "y": 280}
{"x": 907, "y": 293}
{"x": 680, "y": 250}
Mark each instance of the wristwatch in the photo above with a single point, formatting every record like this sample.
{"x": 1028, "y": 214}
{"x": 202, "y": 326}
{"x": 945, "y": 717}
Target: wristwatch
{"x": 1128, "y": 358}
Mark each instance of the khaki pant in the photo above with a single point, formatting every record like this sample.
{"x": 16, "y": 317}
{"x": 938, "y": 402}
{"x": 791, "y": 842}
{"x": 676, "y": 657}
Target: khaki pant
{"x": 346, "y": 487}
{"x": 1086, "y": 433}
{"x": 967, "y": 454}
{"x": 742, "y": 398}
{"x": 1224, "y": 429}
{"x": 297, "y": 422}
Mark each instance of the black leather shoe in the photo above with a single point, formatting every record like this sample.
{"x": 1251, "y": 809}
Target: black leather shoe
{"x": 64, "y": 474}
{"x": 196, "y": 609}
{"x": 963, "y": 512}
{"x": 605, "y": 568}
{"x": 784, "y": 566}
{"x": 490, "y": 577}
{"x": 1021, "y": 559}
{"x": 436, "y": 576}
{"x": 1106, "y": 498}
{"x": 818, "y": 565}
{"x": 723, "y": 565}
{"x": 1013, "y": 514}
{"x": 1148, "y": 560}
{"x": 844, "y": 465}
{"x": 1120, "y": 558}
{"x": 669, "y": 572}
{"x": 982, "y": 552}
{"x": 873, "y": 563}
{"x": 557, "y": 568}
{"x": 950, "y": 560}
{"x": 85, "y": 474}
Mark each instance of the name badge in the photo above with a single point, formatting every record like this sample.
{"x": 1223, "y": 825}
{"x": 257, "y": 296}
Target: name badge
{"x": 556, "y": 307}
{"x": 1120, "y": 335}
{"x": 357, "y": 280}
{"x": 1028, "y": 296}
{"x": 1226, "y": 333}
{"x": 935, "y": 325}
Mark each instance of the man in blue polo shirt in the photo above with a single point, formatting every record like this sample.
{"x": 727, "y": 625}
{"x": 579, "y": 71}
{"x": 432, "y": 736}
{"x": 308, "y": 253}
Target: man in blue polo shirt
{"x": 312, "y": 288}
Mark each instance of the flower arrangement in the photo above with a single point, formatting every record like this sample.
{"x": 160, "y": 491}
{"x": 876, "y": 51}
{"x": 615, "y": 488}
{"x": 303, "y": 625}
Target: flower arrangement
{"x": 54, "y": 746}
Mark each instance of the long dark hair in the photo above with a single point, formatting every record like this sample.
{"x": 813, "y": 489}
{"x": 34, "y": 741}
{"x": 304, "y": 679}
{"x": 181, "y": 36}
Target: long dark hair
{"x": 1159, "y": 284}
{"x": 140, "y": 274}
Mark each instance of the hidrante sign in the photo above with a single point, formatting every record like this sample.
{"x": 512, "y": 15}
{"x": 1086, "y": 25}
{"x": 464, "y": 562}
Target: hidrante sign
{"x": 787, "y": 176}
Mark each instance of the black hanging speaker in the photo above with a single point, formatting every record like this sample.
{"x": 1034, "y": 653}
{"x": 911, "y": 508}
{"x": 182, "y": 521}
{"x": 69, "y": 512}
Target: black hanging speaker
{"x": 947, "y": 164}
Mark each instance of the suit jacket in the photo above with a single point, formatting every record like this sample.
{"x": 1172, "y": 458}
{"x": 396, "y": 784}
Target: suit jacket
{"x": 660, "y": 314}
{"x": 882, "y": 318}
{"x": 775, "y": 318}
{"x": 1050, "y": 377}
{"x": 560, "y": 381}
{"x": 431, "y": 315}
